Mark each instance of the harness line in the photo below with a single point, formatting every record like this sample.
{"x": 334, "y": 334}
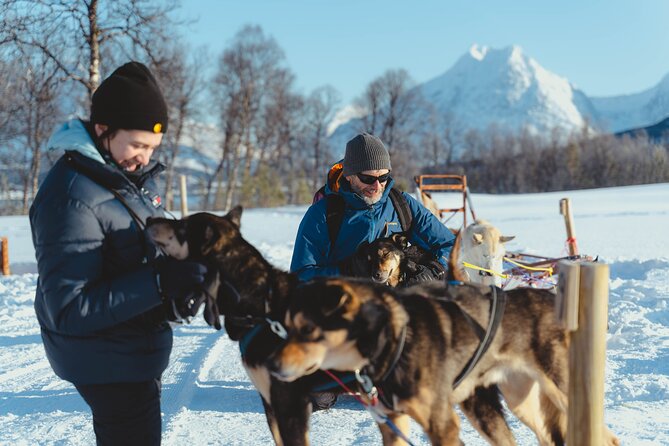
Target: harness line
{"x": 479, "y": 268}
{"x": 371, "y": 406}
{"x": 549, "y": 270}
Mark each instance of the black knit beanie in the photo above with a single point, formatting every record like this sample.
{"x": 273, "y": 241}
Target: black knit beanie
{"x": 365, "y": 152}
{"x": 130, "y": 99}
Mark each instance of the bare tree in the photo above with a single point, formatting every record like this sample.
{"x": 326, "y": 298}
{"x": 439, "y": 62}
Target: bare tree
{"x": 391, "y": 104}
{"x": 32, "y": 85}
{"x": 248, "y": 71}
{"x": 180, "y": 73}
{"x": 81, "y": 29}
{"x": 319, "y": 110}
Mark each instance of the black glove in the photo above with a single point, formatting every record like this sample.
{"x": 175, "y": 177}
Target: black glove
{"x": 424, "y": 273}
{"x": 180, "y": 283}
{"x": 356, "y": 265}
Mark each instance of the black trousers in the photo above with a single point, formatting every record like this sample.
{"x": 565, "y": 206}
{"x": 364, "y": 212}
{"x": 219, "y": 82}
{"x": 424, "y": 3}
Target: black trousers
{"x": 124, "y": 413}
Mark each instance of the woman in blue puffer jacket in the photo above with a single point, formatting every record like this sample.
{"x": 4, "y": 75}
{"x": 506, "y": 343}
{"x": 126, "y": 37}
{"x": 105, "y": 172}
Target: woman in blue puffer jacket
{"x": 102, "y": 298}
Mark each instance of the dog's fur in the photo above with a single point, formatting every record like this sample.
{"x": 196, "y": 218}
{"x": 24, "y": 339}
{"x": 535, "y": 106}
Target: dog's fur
{"x": 483, "y": 246}
{"x": 390, "y": 260}
{"x": 348, "y": 325}
{"x": 255, "y": 290}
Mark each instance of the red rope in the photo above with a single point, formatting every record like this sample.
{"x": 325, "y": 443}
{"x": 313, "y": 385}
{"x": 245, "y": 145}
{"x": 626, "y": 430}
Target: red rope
{"x": 345, "y": 387}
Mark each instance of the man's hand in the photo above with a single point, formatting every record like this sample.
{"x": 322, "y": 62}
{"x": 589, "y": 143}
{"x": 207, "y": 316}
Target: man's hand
{"x": 425, "y": 273}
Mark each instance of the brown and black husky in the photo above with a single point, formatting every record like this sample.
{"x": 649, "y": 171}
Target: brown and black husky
{"x": 391, "y": 260}
{"x": 251, "y": 291}
{"x": 414, "y": 343}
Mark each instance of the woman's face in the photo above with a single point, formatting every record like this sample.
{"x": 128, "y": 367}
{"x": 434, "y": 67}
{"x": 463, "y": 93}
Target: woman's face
{"x": 131, "y": 149}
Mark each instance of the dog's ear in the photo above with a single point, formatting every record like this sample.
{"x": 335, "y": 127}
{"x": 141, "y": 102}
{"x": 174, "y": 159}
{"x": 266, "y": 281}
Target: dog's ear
{"x": 506, "y": 238}
{"x": 235, "y": 216}
{"x": 338, "y": 300}
{"x": 374, "y": 318}
{"x": 211, "y": 239}
{"x": 478, "y": 238}
{"x": 400, "y": 240}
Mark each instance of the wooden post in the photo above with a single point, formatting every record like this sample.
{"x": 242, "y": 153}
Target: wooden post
{"x": 587, "y": 357}
{"x": 184, "y": 196}
{"x": 4, "y": 245}
{"x": 565, "y": 209}
{"x": 566, "y": 302}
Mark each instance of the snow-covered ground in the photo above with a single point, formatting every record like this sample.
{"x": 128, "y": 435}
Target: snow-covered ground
{"x": 207, "y": 398}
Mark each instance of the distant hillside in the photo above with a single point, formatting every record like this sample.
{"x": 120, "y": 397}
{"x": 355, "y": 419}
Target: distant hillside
{"x": 619, "y": 113}
{"x": 658, "y": 133}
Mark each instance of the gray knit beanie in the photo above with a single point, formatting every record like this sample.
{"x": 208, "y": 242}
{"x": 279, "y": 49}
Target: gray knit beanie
{"x": 365, "y": 152}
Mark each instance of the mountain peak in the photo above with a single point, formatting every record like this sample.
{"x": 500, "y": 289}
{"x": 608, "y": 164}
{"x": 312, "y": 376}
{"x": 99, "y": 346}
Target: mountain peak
{"x": 478, "y": 52}
{"x": 507, "y": 87}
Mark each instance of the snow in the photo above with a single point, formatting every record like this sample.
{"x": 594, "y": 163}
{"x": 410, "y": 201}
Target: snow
{"x": 208, "y": 399}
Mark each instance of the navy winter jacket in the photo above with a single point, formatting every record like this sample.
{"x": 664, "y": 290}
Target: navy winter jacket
{"x": 313, "y": 256}
{"x": 97, "y": 299}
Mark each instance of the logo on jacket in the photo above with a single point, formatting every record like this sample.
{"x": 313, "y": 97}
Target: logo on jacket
{"x": 156, "y": 201}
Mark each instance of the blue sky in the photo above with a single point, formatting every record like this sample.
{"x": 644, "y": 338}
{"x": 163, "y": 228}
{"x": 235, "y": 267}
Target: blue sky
{"x": 603, "y": 47}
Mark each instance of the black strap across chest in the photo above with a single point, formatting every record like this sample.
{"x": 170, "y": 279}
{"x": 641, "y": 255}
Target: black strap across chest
{"x": 334, "y": 215}
{"x": 497, "y": 305}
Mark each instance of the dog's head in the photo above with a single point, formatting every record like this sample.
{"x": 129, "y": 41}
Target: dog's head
{"x": 483, "y": 246}
{"x": 336, "y": 324}
{"x": 384, "y": 258}
{"x": 196, "y": 236}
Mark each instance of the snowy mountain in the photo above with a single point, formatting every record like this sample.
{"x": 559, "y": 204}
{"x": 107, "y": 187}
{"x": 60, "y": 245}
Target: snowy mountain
{"x": 502, "y": 87}
{"x": 631, "y": 111}
{"x": 507, "y": 88}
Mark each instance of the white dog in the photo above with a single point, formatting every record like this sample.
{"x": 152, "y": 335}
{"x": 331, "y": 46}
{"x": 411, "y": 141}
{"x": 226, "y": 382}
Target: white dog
{"x": 483, "y": 246}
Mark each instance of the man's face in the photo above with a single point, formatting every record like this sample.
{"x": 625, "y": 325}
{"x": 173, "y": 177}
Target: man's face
{"x": 370, "y": 193}
{"x": 131, "y": 149}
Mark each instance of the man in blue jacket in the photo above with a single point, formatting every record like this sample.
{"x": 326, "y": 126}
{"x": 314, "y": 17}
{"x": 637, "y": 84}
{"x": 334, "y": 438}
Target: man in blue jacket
{"x": 364, "y": 184}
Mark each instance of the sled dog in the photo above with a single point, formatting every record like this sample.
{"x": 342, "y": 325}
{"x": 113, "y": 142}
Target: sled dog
{"x": 414, "y": 344}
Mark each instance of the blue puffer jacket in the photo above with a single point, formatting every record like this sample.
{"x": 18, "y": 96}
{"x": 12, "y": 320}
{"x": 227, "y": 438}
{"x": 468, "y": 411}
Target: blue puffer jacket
{"x": 97, "y": 300}
{"x": 313, "y": 256}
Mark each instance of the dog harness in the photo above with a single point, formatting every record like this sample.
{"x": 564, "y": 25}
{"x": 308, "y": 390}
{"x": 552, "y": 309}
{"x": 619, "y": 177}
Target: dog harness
{"x": 486, "y": 337}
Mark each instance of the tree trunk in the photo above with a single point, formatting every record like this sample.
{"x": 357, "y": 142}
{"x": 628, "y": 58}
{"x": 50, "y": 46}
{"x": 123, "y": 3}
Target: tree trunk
{"x": 94, "y": 45}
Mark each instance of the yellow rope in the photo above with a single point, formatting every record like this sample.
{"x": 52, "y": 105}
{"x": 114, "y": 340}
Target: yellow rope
{"x": 549, "y": 270}
{"x": 469, "y": 265}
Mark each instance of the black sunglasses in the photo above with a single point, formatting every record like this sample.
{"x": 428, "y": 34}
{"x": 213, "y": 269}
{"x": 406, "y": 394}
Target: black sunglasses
{"x": 370, "y": 179}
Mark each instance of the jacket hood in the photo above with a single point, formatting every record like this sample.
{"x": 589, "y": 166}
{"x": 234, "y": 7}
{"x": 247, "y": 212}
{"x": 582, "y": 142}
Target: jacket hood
{"x": 73, "y": 136}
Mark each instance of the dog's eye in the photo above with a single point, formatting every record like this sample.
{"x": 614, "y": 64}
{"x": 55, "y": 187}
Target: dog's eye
{"x": 307, "y": 329}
